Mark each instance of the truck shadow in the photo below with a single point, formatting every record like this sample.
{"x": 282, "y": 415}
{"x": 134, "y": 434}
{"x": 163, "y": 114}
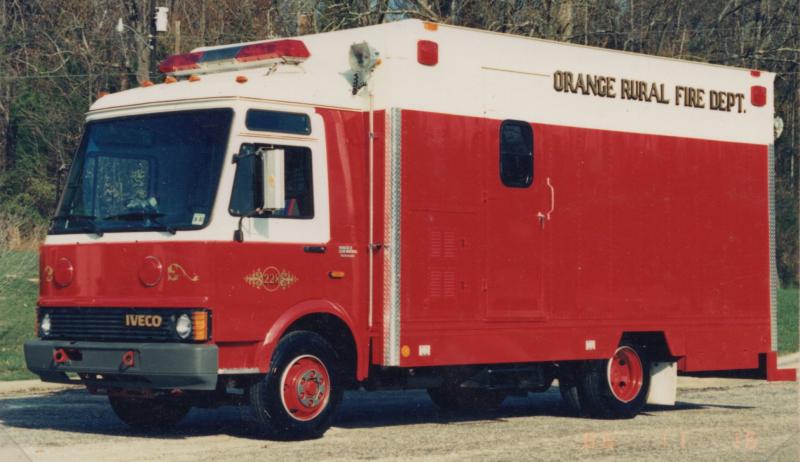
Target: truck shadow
{"x": 78, "y": 412}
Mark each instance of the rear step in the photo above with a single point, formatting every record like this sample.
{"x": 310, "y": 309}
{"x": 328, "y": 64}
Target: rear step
{"x": 531, "y": 378}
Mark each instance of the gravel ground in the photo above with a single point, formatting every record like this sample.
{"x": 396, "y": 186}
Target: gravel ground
{"x": 715, "y": 419}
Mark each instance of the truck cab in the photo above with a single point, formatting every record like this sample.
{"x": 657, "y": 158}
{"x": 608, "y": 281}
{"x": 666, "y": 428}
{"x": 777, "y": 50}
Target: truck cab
{"x": 195, "y": 232}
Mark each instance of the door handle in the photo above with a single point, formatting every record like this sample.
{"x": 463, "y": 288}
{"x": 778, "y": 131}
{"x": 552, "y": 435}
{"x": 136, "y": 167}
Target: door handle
{"x": 545, "y": 216}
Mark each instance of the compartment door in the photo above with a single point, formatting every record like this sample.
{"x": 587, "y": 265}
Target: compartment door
{"x": 515, "y": 221}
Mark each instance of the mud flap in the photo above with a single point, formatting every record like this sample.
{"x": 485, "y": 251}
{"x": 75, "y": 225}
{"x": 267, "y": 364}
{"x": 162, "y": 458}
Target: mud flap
{"x": 663, "y": 383}
{"x": 773, "y": 373}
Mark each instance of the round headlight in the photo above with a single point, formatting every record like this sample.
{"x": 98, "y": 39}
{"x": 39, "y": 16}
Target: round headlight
{"x": 183, "y": 327}
{"x": 45, "y": 326}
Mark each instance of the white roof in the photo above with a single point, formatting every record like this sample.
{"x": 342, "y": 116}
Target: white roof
{"x": 486, "y": 74}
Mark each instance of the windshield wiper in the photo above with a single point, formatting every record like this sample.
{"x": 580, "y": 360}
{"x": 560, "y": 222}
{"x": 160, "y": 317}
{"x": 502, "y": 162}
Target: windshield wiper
{"x": 88, "y": 219}
{"x": 150, "y": 216}
{"x": 73, "y": 216}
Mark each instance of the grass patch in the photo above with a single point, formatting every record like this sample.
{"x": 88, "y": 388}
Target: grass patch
{"x": 788, "y": 320}
{"x": 19, "y": 288}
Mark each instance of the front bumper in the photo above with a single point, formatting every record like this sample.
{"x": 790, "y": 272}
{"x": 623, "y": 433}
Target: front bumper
{"x": 101, "y": 364}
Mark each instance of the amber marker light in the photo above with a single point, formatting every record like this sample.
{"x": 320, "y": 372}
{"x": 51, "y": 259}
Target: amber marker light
{"x": 200, "y": 326}
{"x": 241, "y": 79}
{"x": 170, "y": 79}
{"x": 102, "y": 94}
{"x": 147, "y": 83}
{"x": 405, "y": 351}
{"x": 432, "y": 26}
{"x": 336, "y": 274}
{"x": 194, "y": 78}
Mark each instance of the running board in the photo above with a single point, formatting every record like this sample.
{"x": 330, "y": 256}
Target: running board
{"x": 530, "y": 378}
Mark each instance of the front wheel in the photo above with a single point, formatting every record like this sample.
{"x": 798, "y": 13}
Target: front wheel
{"x": 615, "y": 388}
{"x": 299, "y": 395}
{"x": 149, "y": 413}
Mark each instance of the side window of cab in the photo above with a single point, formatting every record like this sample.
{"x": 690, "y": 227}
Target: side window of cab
{"x": 298, "y": 180}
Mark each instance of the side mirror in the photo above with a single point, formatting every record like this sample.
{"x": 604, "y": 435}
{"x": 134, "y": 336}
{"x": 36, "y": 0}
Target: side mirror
{"x": 273, "y": 185}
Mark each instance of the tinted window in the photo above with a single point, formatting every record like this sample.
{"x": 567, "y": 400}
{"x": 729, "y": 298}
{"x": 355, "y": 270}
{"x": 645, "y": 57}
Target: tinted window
{"x": 283, "y": 122}
{"x": 516, "y": 154}
{"x": 299, "y": 193}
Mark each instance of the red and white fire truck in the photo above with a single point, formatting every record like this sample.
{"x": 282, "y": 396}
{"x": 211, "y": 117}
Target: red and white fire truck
{"x": 413, "y": 205}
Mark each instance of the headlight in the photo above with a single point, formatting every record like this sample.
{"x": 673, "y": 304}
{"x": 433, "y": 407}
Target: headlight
{"x": 183, "y": 327}
{"x": 44, "y": 327}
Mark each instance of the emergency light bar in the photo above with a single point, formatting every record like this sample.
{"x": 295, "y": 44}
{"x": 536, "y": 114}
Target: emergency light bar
{"x": 236, "y": 57}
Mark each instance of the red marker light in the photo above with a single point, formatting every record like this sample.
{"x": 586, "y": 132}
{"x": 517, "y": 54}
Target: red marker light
{"x": 427, "y": 53}
{"x": 184, "y": 62}
{"x": 63, "y": 273}
{"x": 288, "y": 50}
{"x": 758, "y": 95}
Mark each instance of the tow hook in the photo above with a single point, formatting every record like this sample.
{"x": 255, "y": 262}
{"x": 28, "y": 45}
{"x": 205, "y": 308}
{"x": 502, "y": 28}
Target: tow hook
{"x": 60, "y": 356}
{"x": 129, "y": 359}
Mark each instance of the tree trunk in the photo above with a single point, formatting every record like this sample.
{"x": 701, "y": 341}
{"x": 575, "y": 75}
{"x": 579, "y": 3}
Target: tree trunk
{"x": 141, "y": 23}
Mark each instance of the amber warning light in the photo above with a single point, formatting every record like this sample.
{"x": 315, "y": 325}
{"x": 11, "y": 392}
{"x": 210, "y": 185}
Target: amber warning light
{"x": 287, "y": 51}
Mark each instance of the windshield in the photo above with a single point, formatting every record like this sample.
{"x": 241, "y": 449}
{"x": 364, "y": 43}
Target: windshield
{"x": 154, "y": 172}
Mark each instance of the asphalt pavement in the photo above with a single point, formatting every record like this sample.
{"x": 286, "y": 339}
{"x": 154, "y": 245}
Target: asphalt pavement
{"x": 714, "y": 419}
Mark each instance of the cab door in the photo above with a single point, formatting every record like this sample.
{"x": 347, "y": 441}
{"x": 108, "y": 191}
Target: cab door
{"x": 515, "y": 220}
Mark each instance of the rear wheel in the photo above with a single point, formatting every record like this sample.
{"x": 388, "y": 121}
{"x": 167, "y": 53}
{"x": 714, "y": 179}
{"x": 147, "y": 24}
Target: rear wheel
{"x": 615, "y": 388}
{"x": 299, "y": 395}
{"x": 149, "y": 413}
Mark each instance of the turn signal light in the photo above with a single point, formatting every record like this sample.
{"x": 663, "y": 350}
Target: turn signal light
{"x": 200, "y": 325}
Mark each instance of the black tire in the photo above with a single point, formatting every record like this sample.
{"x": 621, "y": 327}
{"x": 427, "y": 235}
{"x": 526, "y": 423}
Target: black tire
{"x": 569, "y": 393}
{"x": 568, "y": 374}
{"x": 597, "y": 398}
{"x": 148, "y": 414}
{"x": 452, "y": 398}
{"x": 301, "y": 358}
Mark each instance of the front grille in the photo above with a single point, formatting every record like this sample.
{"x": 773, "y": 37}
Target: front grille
{"x": 108, "y": 324}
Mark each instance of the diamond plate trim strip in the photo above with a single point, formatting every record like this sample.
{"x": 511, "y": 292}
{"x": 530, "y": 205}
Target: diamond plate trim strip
{"x": 773, "y": 266}
{"x": 391, "y": 239}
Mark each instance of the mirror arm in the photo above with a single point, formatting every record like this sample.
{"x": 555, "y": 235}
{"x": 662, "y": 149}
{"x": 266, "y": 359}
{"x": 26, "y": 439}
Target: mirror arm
{"x": 238, "y": 234}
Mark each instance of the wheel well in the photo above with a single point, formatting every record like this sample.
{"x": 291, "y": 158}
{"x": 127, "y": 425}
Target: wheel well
{"x": 654, "y": 343}
{"x": 336, "y": 332}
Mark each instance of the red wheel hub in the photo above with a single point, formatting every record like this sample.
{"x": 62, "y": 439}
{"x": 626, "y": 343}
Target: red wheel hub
{"x": 306, "y": 387}
{"x": 625, "y": 374}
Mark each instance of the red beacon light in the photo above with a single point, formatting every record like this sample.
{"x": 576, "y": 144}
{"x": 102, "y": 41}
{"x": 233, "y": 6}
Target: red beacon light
{"x": 178, "y": 63}
{"x": 288, "y": 51}
{"x": 292, "y": 51}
